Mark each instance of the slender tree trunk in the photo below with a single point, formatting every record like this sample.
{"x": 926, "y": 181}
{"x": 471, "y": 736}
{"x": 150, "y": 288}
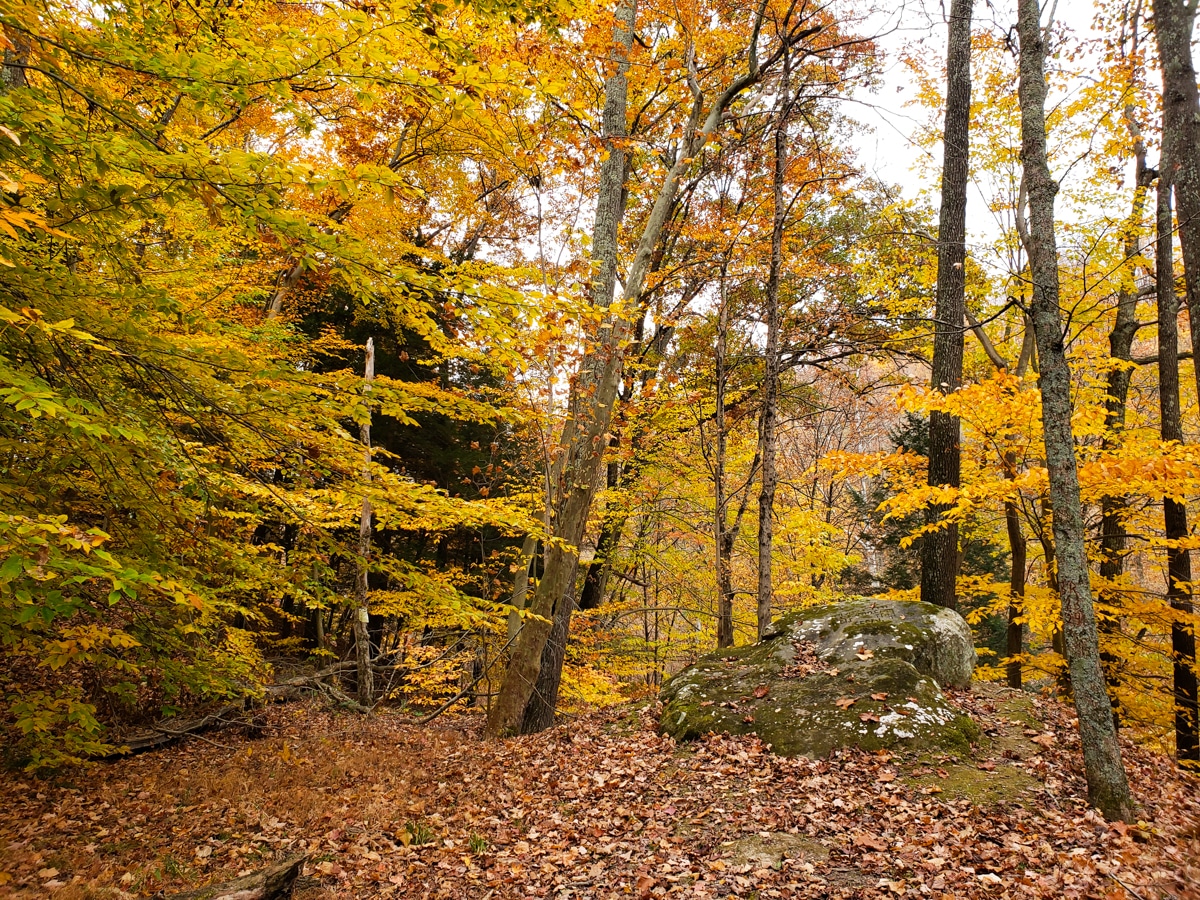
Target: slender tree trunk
{"x": 362, "y": 618}
{"x": 1120, "y": 344}
{"x": 721, "y": 545}
{"x": 1174, "y": 22}
{"x": 1179, "y": 565}
{"x": 1108, "y": 789}
{"x": 595, "y": 390}
{"x": 610, "y": 210}
{"x": 520, "y": 594}
{"x": 1017, "y": 543}
{"x": 1015, "y": 635}
{"x": 770, "y": 391}
{"x": 595, "y": 578}
{"x": 939, "y": 549}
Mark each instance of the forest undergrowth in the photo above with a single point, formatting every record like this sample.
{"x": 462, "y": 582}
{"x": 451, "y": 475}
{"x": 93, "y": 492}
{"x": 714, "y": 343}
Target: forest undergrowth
{"x": 602, "y": 806}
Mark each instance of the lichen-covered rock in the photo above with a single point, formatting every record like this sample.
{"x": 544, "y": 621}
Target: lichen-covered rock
{"x": 850, "y": 674}
{"x": 936, "y": 641}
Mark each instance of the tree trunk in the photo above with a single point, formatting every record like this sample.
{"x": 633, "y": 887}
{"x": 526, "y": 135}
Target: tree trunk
{"x": 539, "y": 711}
{"x": 1015, "y": 635}
{"x": 593, "y": 393}
{"x": 1108, "y": 789}
{"x": 589, "y": 406}
{"x": 365, "y": 682}
{"x": 939, "y": 549}
{"x": 1179, "y": 566}
{"x": 1120, "y": 344}
{"x": 721, "y": 545}
{"x": 610, "y": 207}
{"x": 770, "y": 390}
{"x": 520, "y": 594}
{"x": 1174, "y": 21}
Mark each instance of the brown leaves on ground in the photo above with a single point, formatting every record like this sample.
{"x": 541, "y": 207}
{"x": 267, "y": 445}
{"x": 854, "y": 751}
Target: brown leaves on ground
{"x": 588, "y": 810}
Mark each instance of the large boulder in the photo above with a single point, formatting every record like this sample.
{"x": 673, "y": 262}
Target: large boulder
{"x": 864, "y": 673}
{"x": 935, "y": 640}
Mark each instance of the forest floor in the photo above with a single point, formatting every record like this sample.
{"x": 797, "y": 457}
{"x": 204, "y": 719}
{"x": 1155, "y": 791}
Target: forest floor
{"x": 600, "y": 807}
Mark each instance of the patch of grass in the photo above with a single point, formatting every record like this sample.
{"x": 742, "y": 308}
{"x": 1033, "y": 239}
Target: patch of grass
{"x": 478, "y": 844}
{"x": 420, "y": 833}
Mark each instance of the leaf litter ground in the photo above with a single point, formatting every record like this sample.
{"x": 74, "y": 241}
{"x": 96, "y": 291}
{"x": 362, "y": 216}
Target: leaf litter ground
{"x": 601, "y": 807}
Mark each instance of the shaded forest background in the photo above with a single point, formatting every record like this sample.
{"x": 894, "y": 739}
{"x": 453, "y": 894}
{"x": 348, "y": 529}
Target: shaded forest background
{"x": 208, "y": 211}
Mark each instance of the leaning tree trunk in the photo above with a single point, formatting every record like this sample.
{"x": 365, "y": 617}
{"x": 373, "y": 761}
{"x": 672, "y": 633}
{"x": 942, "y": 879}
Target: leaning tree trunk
{"x": 610, "y": 210}
{"x": 1108, "y": 789}
{"x": 590, "y": 412}
{"x": 770, "y": 393}
{"x": 1179, "y": 565}
{"x": 1174, "y": 21}
{"x": 939, "y": 549}
{"x": 362, "y": 618}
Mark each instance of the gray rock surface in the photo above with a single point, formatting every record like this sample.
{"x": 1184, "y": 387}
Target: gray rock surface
{"x": 864, "y": 673}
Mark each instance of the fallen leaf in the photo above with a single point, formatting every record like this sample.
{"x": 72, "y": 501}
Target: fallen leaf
{"x": 761, "y": 691}
{"x": 868, "y": 717}
{"x": 870, "y": 841}
{"x": 879, "y": 696}
{"x": 844, "y": 702}
{"x": 864, "y": 653}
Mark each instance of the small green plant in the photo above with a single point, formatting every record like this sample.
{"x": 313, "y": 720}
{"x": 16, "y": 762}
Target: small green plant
{"x": 477, "y": 843}
{"x": 419, "y": 833}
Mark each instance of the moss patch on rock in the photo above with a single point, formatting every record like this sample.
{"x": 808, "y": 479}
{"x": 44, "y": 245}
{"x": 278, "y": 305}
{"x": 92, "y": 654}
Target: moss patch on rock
{"x": 868, "y": 689}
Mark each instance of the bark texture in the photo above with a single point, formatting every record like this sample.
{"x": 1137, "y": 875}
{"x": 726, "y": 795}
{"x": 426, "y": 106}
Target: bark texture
{"x": 585, "y": 433}
{"x": 1179, "y": 565}
{"x": 1108, "y": 789}
{"x": 1174, "y": 22}
{"x": 1120, "y": 345}
{"x": 939, "y": 549}
{"x": 768, "y": 419}
{"x": 362, "y": 619}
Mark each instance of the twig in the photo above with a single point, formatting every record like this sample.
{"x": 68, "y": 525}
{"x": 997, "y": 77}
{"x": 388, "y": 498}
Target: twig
{"x": 1127, "y": 888}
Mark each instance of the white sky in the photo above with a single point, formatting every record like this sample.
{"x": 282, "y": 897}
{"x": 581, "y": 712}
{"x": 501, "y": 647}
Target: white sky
{"x": 885, "y": 149}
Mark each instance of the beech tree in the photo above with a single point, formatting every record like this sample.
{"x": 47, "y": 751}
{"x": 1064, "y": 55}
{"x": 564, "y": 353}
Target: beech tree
{"x": 1108, "y": 790}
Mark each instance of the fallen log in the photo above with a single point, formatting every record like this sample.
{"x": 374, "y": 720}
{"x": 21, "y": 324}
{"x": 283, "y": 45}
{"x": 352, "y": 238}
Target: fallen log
{"x": 168, "y": 731}
{"x": 273, "y": 883}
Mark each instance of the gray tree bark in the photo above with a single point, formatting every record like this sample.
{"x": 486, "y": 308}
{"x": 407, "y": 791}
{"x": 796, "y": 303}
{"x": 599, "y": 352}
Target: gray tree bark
{"x": 1120, "y": 345}
{"x": 1179, "y": 565}
{"x": 770, "y": 391}
{"x": 1108, "y": 789}
{"x": 1174, "y": 22}
{"x": 939, "y": 549}
{"x": 585, "y": 432}
{"x": 362, "y": 638}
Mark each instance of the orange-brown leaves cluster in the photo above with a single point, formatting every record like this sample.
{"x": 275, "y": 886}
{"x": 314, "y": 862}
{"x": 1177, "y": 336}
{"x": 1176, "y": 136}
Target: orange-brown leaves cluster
{"x": 604, "y": 807}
